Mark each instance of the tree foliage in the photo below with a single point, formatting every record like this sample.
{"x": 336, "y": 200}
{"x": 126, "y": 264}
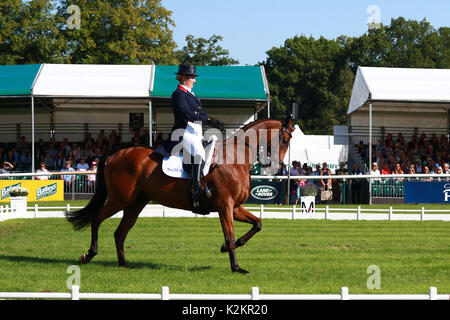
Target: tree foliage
{"x": 205, "y": 52}
{"x": 108, "y": 32}
{"x": 28, "y": 33}
{"x": 118, "y": 31}
{"x": 318, "y": 74}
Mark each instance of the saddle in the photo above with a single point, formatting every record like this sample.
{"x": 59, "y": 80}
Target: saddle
{"x": 174, "y": 167}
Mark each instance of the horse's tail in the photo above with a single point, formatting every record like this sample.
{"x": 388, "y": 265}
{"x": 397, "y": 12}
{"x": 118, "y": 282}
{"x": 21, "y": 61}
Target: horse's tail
{"x": 84, "y": 217}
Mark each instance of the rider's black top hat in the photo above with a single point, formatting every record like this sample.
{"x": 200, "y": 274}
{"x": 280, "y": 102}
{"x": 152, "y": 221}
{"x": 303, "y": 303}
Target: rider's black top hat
{"x": 187, "y": 70}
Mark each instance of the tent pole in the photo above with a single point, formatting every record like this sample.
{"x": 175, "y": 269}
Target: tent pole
{"x": 150, "y": 120}
{"x": 370, "y": 151}
{"x": 289, "y": 174}
{"x": 32, "y": 135}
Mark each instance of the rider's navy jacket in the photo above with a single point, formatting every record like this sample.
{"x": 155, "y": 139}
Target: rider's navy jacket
{"x": 186, "y": 107}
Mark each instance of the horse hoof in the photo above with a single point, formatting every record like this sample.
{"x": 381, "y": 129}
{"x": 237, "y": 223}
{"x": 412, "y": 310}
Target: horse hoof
{"x": 124, "y": 266}
{"x": 84, "y": 259}
{"x": 240, "y": 270}
{"x": 223, "y": 248}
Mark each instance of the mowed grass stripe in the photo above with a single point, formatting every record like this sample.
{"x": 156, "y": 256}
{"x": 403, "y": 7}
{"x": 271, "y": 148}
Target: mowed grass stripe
{"x": 287, "y": 256}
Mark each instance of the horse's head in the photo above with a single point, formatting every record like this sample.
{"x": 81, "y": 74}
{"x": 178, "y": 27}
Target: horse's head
{"x": 284, "y": 138}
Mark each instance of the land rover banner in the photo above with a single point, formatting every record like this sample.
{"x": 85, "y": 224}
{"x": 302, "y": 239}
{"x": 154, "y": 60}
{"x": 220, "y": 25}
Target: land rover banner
{"x": 266, "y": 192}
{"x": 39, "y": 190}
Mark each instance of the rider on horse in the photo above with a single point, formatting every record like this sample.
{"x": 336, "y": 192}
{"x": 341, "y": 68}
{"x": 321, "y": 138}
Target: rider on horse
{"x": 189, "y": 115}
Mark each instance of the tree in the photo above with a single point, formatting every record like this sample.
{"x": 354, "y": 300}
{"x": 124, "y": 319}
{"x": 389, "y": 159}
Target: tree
{"x": 205, "y": 52}
{"x": 28, "y": 33}
{"x": 306, "y": 71}
{"x": 403, "y": 43}
{"x": 118, "y": 31}
{"x": 318, "y": 74}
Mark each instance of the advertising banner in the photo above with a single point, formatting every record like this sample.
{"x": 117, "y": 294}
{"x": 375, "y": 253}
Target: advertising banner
{"x": 427, "y": 192}
{"x": 266, "y": 192}
{"x": 39, "y": 190}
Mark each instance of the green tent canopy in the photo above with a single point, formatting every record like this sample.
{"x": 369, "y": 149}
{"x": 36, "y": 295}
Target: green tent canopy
{"x": 17, "y": 80}
{"x": 216, "y": 82}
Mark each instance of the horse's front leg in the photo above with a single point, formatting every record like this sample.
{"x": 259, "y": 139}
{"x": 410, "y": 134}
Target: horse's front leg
{"x": 243, "y": 215}
{"x": 227, "y": 222}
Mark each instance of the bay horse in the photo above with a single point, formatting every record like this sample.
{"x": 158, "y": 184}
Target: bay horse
{"x": 131, "y": 177}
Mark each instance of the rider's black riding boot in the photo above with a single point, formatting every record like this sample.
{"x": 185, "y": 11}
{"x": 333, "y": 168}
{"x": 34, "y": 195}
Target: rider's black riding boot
{"x": 197, "y": 189}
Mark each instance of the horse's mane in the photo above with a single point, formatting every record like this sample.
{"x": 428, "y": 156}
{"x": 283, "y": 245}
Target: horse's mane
{"x": 253, "y": 123}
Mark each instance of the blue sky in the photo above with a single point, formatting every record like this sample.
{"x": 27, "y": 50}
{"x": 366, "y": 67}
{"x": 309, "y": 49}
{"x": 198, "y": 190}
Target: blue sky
{"x": 251, "y": 27}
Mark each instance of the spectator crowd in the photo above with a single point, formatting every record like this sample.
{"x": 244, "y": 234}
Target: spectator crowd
{"x": 16, "y": 157}
{"x": 418, "y": 155}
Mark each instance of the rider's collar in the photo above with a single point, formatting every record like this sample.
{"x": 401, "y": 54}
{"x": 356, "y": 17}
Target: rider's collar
{"x": 184, "y": 88}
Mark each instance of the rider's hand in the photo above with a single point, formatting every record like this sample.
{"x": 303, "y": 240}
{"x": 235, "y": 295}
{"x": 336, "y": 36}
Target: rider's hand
{"x": 216, "y": 124}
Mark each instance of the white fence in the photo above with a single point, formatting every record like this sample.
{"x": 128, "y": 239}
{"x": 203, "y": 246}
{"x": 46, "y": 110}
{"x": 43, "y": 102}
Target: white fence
{"x": 75, "y": 294}
{"x": 261, "y": 211}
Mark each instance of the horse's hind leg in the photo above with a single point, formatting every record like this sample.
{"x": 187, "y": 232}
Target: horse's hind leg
{"x": 107, "y": 211}
{"x": 243, "y": 215}
{"x": 130, "y": 215}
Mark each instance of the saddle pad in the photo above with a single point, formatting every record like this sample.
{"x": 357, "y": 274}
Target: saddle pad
{"x": 173, "y": 165}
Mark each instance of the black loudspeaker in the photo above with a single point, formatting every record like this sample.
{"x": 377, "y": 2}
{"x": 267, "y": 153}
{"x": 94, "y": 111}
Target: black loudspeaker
{"x": 293, "y": 111}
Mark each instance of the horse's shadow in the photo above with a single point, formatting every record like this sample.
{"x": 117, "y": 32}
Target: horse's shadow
{"x": 132, "y": 265}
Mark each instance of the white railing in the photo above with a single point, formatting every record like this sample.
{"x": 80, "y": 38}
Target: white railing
{"x": 165, "y": 294}
{"x": 261, "y": 211}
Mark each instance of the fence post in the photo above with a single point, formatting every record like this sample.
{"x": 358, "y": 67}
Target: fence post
{"x": 293, "y": 212}
{"x": 344, "y": 293}
{"x": 255, "y": 293}
{"x": 36, "y": 210}
{"x": 261, "y": 211}
{"x": 326, "y": 212}
{"x": 75, "y": 292}
{"x": 422, "y": 213}
{"x": 165, "y": 293}
{"x": 68, "y": 207}
{"x": 358, "y": 213}
{"x": 433, "y": 293}
{"x": 390, "y": 213}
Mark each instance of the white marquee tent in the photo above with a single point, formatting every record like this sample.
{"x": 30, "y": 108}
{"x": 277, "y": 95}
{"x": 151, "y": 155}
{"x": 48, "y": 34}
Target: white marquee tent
{"x": 400, "y": 98}
{"x": 315, "y": 149}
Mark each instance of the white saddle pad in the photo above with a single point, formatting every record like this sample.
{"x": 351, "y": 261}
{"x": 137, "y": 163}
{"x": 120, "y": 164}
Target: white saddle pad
{"x": 173, "y": 165}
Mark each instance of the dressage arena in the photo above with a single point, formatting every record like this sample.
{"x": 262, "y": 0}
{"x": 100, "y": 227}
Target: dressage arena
{"x": 175, "y": 257}
{"x": 300, "y": 256}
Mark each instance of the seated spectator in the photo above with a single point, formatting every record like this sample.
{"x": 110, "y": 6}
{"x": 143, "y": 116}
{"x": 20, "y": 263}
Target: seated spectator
{"x": 68, "y": 179}
{"x": 375, "y": 172}
{"x": 91, "y": 177}
{"x": 59, "y": 161}
{"x": 386, "y": 169}
{"x": 356, "y": 184}
{"x": 6, "y": 167}
{"x": 42, "y": 169}
{"x": 24, "y": 161}
{"x": 49, "y": 162}
{"x": 397, "y": 170}
{"x": 426, "y": 170}
{"x": 82, "y": 165}
{"x": 438, "y": 172}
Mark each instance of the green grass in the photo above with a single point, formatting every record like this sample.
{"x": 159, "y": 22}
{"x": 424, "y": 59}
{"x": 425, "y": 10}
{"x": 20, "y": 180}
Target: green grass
{"x": 287, "y": 256}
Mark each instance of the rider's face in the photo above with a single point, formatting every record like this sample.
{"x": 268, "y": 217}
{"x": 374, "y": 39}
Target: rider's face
{"x": 189, "y": 81}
